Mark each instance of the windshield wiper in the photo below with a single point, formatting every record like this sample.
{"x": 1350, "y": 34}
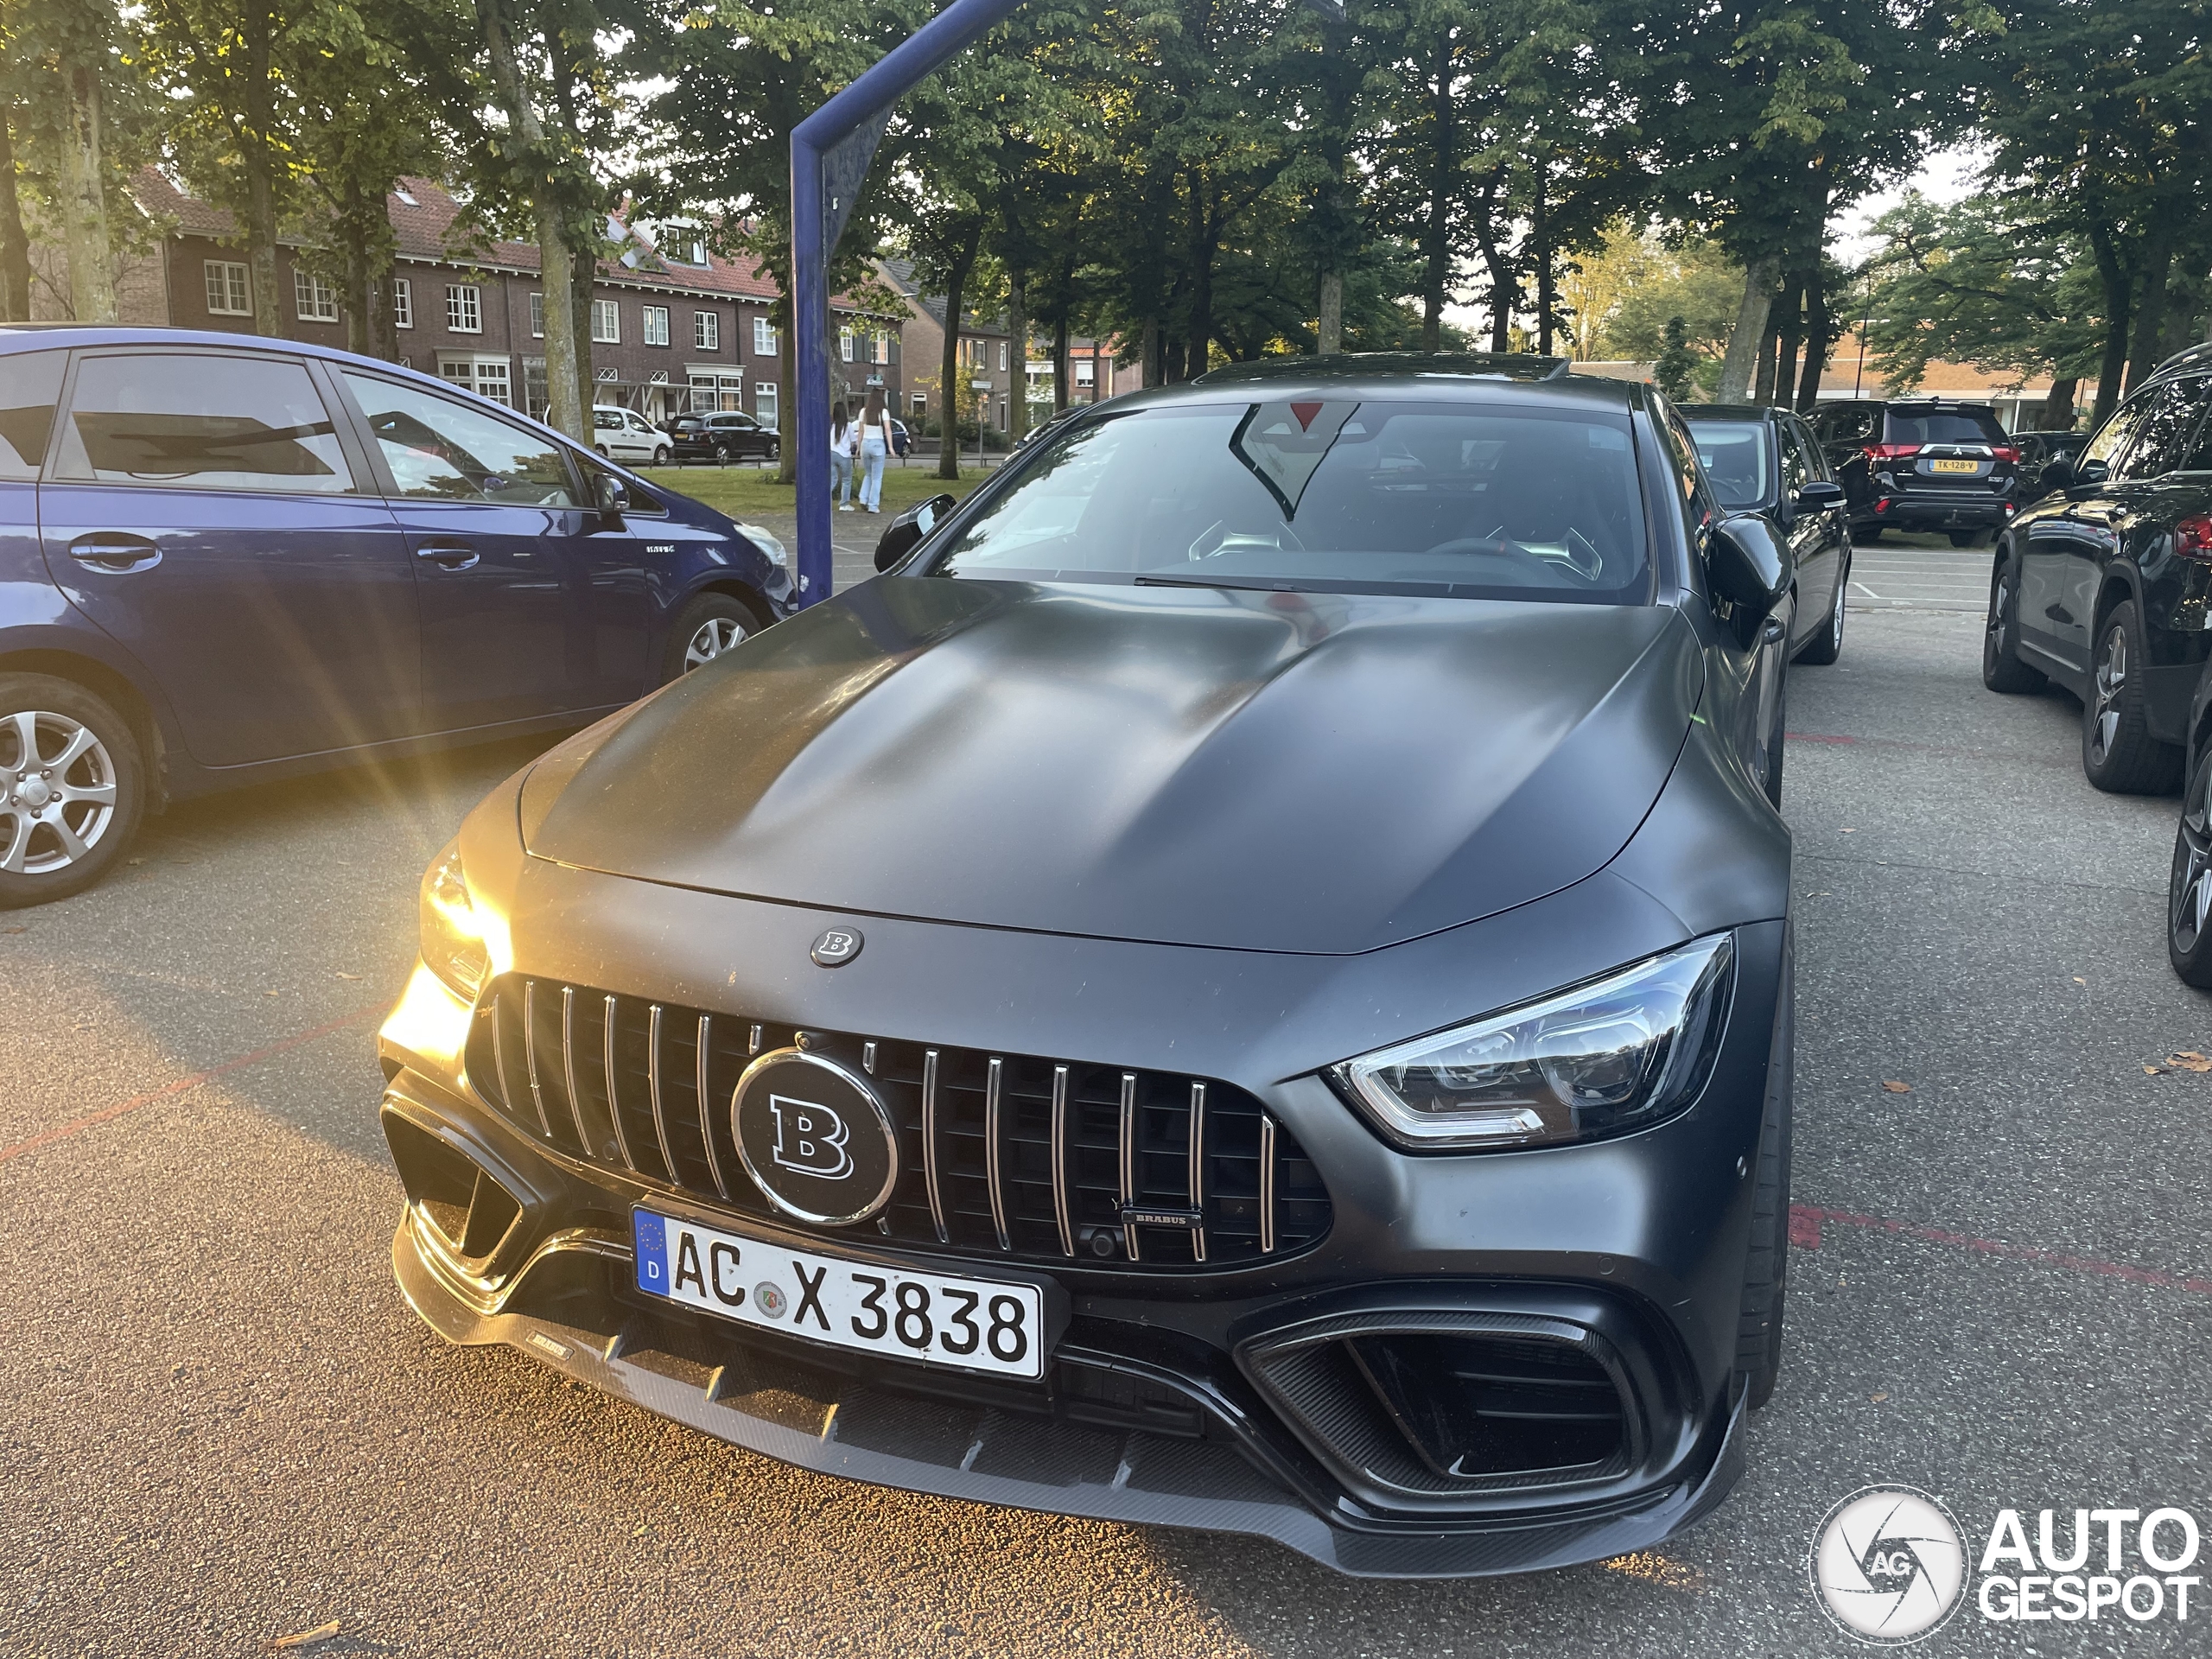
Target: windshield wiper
{"x": 1261, "y": 585}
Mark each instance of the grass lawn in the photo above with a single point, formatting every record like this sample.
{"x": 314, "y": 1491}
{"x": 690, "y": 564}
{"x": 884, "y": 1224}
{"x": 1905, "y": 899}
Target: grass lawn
{"x": 750, "y": 492}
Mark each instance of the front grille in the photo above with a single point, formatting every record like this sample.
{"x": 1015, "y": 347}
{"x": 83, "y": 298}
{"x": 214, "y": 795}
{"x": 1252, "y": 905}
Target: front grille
{"x": 1040, "y": 1159}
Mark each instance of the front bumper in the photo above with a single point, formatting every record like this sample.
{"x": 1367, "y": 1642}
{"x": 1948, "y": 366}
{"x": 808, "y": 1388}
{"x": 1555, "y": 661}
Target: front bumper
{"x": 1175, "y": 1397}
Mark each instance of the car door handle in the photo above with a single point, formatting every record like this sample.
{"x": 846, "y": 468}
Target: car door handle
{"x": 1771, "y": 632}
{"x": 448, "y": 556}
{"x": 115, "y": 552}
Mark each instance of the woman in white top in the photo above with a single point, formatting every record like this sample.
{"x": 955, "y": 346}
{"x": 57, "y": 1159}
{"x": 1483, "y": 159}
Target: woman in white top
{"x": 843, "y": 441}
{"x": 876, "y": 444}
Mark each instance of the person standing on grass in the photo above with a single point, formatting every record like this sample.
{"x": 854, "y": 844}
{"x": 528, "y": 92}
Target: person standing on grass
{"x": 876, "y": 444}
{"x": 843, "y": 440}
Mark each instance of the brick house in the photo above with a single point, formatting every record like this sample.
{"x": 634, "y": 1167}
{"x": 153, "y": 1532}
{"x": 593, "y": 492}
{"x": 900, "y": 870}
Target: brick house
{"x": 674, "y": 325}
{"x": 986, "y": 354}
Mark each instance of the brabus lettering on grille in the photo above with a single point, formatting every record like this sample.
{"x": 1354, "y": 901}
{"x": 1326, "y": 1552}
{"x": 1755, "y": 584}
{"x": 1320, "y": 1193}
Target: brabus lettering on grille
{"x": 810, "y": 1139}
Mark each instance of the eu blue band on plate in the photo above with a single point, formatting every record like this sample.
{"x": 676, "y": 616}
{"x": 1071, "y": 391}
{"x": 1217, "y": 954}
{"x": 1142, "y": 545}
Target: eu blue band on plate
{"x": 652, "y": 1252}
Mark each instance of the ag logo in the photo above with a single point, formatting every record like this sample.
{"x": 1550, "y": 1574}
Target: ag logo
{"x": 836, "y": 947}
{"x": 1888, "y": 1565}
{"x": 814, "y": 1137}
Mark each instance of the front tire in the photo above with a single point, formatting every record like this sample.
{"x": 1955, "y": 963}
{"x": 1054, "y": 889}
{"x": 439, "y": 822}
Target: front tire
{"x": 2189, "y": 889}
{"x": 709, "y": 625}
{"x": 2119, "y": 754}
{"x": 2002, "y": 670}
{"x": 71, "y": 788}
{"x": 1824, "y": 647}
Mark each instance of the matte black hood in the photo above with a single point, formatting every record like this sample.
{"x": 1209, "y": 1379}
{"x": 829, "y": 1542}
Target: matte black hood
{"x": 1264, "y": 771}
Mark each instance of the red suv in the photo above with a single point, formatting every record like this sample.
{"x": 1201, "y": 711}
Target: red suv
{"x": 1921, "y": 463}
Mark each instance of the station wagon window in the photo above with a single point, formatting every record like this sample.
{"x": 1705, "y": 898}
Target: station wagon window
{"x": 2112, "y": 437}
{"x": 202, "y": 422}
{"x": 33, "y": 382}
{"x": 447, "y": 451}
{"x": 1737, "y": 458}
{"x": 1470, "y": 499}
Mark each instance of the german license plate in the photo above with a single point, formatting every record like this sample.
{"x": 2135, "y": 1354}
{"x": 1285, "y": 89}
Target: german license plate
{"x": 1954, "y": 466}
{"x": 977, "y": 1325}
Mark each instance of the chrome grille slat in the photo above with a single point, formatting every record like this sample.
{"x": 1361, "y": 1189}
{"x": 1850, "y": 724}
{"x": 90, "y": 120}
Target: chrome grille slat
{"x": 706, "y": 1102}
{"x": 613, "y": 1099}
{"x": 1054, "y": 1162}
{"x": 994, "y": 1154}
{"x": 1062, "y": 1213}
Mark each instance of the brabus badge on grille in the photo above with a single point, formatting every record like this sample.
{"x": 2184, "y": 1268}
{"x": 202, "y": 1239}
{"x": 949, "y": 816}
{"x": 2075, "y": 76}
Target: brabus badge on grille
{"x": 816, "y": 1137}
{"x": 836, "y": 947}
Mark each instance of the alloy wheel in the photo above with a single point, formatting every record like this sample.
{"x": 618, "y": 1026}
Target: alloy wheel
{"x": 2110, "y": 686}
{"x": 2189, "y": 899}
{"x": 57, "y": 791}
{"x": 716, "y": 635}
{"x": 2000, "y": 606}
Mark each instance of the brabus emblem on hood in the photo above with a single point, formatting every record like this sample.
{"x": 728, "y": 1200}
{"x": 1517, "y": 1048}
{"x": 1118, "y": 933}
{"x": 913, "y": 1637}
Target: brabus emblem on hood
{"x": 836, "y": 947}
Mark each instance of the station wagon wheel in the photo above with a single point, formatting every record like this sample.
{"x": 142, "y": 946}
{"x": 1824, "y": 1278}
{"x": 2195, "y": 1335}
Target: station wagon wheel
{"x": 2119, "y": 754}
{"x": 2002, "y": 670}
{"x": 709, "y": 627}
{"x": 2188, "y": 891}
{"x": 70, "y": 788}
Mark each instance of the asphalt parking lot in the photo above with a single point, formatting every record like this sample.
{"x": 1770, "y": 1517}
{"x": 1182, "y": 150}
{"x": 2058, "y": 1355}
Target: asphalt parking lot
{"x": 222, "y": 1426}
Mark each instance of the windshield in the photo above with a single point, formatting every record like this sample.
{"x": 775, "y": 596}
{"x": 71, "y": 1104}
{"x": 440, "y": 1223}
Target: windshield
{"x": 1460, "y": 498}
{"x": 1738, "y": 458}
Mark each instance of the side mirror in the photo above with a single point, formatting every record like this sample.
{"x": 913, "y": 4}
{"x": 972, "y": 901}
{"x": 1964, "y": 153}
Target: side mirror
{"x": 1750, "y": 566}
{"x": 2089, "y": 472}
{"x": 613, "y": 494}
{"x": 1819, "y": 496}
{"x": 903, "y": 534}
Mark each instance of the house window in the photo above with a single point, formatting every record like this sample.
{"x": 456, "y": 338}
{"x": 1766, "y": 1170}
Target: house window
{"x": 464, "y": 308}
{"x": 845, "y": 344}
{"x": 228, "y": 294}
{"x": 656, "y": 325}
{"x": 605, "y": 323}
{"x": 1002, "y": 363}
{"x": 1003, "y": 426}
{"x": 402, "y": 304}
{"x": 538, "y": 316}
{"x": 1085, "y": 372}
{"x": 764, "y": 337}
{"x": 921, "y": 402}
{"x": 317, "y": 300}
{"x": 706, "y": 330}
{"x": 882, "y": 344}
{"x": 764, "y": 402}
{"x": 485, "y": 376}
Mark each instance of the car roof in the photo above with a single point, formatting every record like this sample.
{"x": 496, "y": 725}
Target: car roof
{"x": 1452, "y": 375}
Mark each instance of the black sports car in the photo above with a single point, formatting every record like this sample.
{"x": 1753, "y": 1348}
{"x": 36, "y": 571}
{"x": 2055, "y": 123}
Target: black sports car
{"x": 1245, "y": 983}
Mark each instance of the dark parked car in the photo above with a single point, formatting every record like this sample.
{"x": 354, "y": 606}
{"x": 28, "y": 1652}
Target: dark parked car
{"x": 2039, "y": 450}
{"x": 2102, "y": 586}
{"x": 723, "y": 435}
{"x": 1245, "y": 983}
{"x": 1766, "y": 461}
{"x": 224, "y": 560}
{"x": 1920, "y": 463}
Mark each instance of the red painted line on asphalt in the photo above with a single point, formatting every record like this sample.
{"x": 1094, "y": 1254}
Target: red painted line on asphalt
{"x": 1806, "y": 1221}
{"x": 109, "y": 1113}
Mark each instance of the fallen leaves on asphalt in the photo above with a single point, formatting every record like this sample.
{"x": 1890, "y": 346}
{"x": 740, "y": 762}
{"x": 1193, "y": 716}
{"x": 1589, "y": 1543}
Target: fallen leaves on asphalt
{"x": 1897, "y": 1088}
{"x": 2188, "y": 1059}
{"x": 303, "y": 1639}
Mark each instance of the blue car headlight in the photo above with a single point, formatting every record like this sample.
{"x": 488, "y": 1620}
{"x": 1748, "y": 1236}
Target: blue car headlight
{"x": 1602, "y": 1057}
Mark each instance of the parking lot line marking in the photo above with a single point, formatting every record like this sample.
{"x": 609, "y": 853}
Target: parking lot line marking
{"x": 109, "y": 1113}
{"x": 1806, "y": 1221}
{"x": 1864, "y": 588}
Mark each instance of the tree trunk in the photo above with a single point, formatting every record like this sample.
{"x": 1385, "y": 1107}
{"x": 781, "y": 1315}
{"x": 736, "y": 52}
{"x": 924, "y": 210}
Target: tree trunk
{"x": 956, "y": 288}
{"x": 259, "y": 144}
{"x": 2057, "y": 414}
{"x": 583, "y": 269}
{"x": 14, "y": 242}
{"x": 1148, "y": 349}
{"x": 2150, "y": 309}
{"x": 1436, "y": 232}
{"x": 1749, "y": 334}
{"x": 1816, "y": 341}
{"x": 92, "y": 271}
{"x": 1332, "y": 329}
{"x": 2119, "y": 286}
{"x": 1788, "y": 333}
{"x": 1540, "y": 248}
{"x": 1017, "y": 358}
{"x": 1762, "y": 386}
{"x": 1063, "y": 372}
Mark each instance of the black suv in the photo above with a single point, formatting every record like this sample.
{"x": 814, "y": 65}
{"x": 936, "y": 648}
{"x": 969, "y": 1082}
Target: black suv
{"x": 2103, "y": 584}
{"x": 722, "y": 435}
{"x": 1920, "y": 463}
{"x": 2037, "y": 451}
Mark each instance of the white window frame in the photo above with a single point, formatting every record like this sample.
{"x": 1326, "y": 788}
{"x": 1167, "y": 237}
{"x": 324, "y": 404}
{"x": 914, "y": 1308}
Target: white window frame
{"x": 464, "y": 309}
{"x": 880, "y": 345}
{"x": 764, "y": 399}
{"x": 237, "y": 284}
{"x": 1002, "y": 357}
{"x": 707, "y": 331}
{"x": 646, "y": 329}
{"x": 844, "y": 345}
{"x": 764, "y": 337}
{"x": 485, "y": 373}
{"x": 314, "y": 300}
{"x": 1086, "y": 372}
{"x": 538, "y": 316}
{"x": 605, "y": 323}
{"x": 921, "y": 402}
{"x": 403, "y": 303}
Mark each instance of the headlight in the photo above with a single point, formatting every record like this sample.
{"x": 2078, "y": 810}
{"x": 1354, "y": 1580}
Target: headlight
{"x": 453, "y": 933}
{"x": 772, "y": 546}
{"x": 1615, "y": 1054}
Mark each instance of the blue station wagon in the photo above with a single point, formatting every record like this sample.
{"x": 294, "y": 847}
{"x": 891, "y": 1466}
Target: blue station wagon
{"x": 225, "y": 560}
